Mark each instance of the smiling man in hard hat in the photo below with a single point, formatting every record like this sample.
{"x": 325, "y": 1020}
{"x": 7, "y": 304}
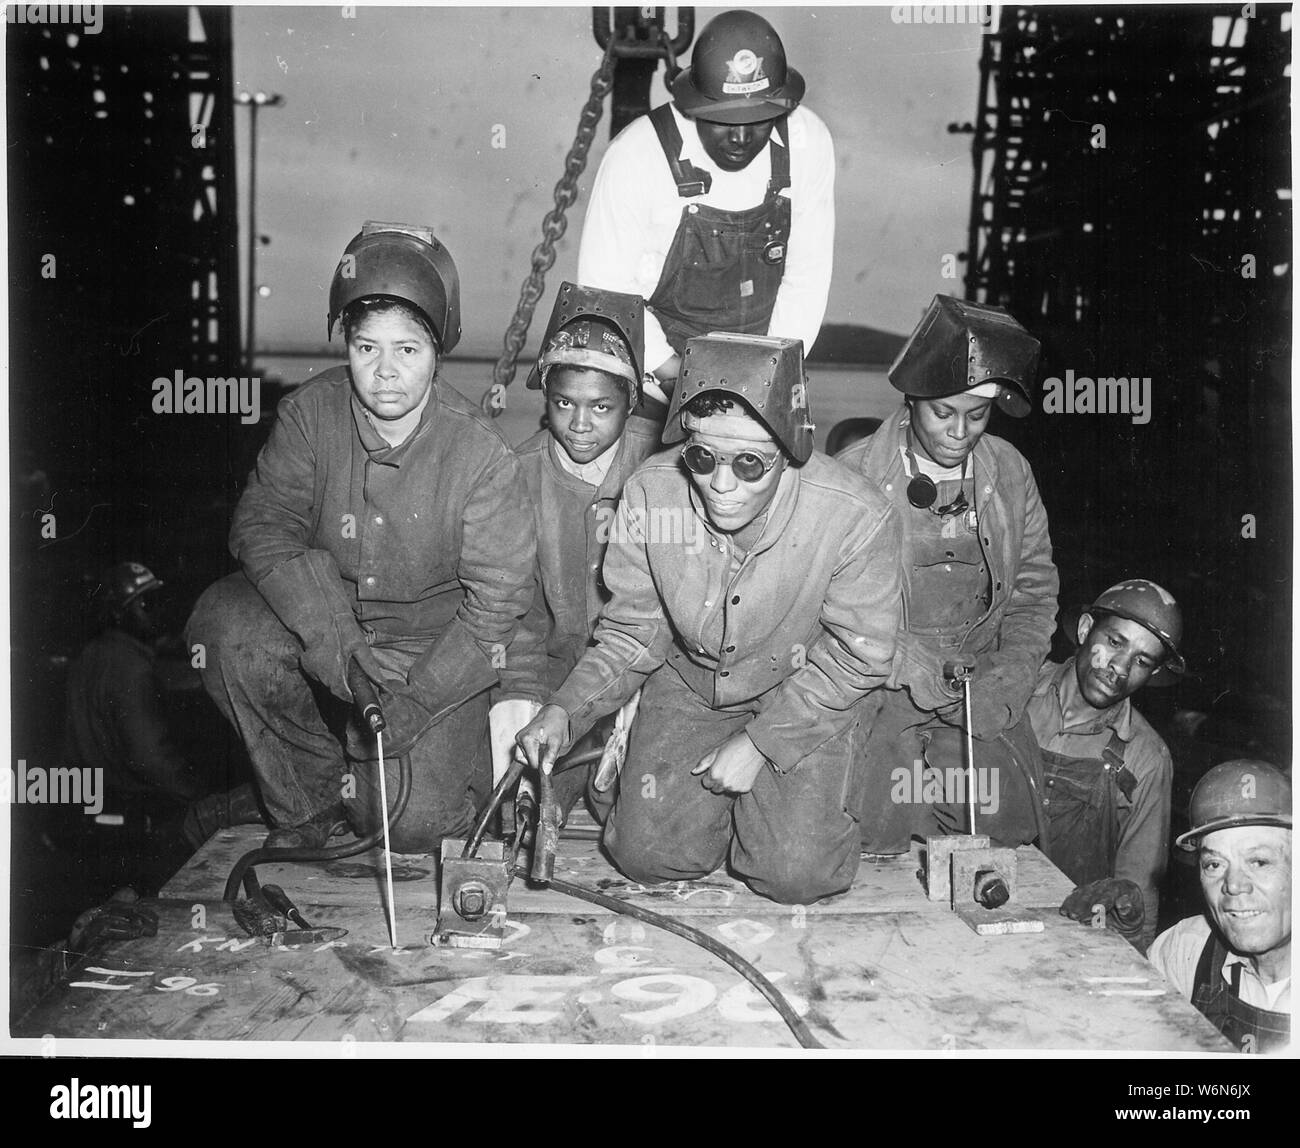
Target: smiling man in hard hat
{"x": 386, "y": 524}
{"x": 718, "y": 208}
{"x": 1107, "y": 775}
{"x": 1234, "y": 963}
{"x": 753, "y": 633}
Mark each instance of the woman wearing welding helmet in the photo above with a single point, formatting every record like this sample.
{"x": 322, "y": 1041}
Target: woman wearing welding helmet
{"x": 979, "y": 586}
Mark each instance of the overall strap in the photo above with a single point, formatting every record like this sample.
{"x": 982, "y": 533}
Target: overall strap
{"x": 690, "y": 180}
{"x": 780, "y": 178}
{"x": 1113, "y": 756}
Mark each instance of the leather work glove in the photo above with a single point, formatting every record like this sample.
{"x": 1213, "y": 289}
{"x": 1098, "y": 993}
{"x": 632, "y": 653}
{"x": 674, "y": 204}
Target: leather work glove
{"x": 306, "y": 594}
{"x": 1120, "y": 900}
{"x": 115, "y": 920}
{"x": 990, "y": 715}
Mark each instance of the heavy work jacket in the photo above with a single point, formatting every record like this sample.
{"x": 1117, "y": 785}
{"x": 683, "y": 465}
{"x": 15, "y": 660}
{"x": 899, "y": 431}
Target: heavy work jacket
{"x": 574, "y": 525}
{"x": 1013, "y": 636}
{"x": 808, "y": 616}
{"x": 433, "y": 539}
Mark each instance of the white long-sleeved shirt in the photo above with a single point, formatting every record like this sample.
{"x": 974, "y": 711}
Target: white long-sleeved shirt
{"x": 635, "y": 209}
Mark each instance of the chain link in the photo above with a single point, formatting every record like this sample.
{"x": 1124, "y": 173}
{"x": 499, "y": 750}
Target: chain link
{"x": 553, "y": 228}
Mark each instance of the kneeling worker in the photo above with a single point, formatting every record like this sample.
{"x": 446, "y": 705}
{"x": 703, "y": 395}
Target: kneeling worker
{"x": 590, "y": 371}
{"x": 386, "y": 524}
{"x": 755, "y": 593}
{"x": 1234, "y": 963}
{"x": 1107, "y": 775}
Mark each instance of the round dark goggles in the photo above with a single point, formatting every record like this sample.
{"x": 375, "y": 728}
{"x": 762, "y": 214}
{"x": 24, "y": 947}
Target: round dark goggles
{"x": 746, "y": 465}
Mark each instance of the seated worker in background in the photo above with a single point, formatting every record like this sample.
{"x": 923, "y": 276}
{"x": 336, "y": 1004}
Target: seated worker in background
{"x": 754, "y": 589}
{"x": 979, "y": 586}
{"x": 1107, "y": 775}
{"x": 589, "y": 371}
{"x": 386, "y": 523}
{"x": 1234, "y": 963}
{"x": 718, "y": 208}
{"x": 115, "y": 723}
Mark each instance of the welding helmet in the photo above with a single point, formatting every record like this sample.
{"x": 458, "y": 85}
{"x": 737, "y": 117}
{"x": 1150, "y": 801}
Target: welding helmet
{"x": 591, "y": 327}
{"x": 398, "y": 261}
{"x": 123, "y": 584}
{"x": 1152, "y": 607}
{"x": 764, "y": 374}
{"x": 1238, "y": 793}
{"x": 961, "y": 347}
{"x": 738, "y": 73}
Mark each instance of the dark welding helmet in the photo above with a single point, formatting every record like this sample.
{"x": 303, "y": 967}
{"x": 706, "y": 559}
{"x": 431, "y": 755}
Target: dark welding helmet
{"x": 765, "y": 374}
{"x": 591, "y": 327}
{"x": 738, "y": 73}
{"x": 123, "y": 584}
{"x": 960, "y": 346}
{"x": 404, "y": 262}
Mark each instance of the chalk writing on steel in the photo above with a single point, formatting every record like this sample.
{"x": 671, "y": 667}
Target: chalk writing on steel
{"x": 176, "y": 984}
{"x": 504, "y": 1000}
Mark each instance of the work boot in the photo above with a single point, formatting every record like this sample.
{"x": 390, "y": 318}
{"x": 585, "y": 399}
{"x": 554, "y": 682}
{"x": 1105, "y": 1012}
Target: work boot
{"x": 312, "y": 834}
{"x": 220, "y": 811}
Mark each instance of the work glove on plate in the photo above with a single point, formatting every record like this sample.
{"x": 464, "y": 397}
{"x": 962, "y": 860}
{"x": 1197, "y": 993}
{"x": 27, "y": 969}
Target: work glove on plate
{"x": 115, "y": 920}
{"x": 1119, "y": 899}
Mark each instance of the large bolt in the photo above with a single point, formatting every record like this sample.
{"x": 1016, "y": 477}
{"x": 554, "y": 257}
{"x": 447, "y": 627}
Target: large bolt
{"x": 473, "y": 900}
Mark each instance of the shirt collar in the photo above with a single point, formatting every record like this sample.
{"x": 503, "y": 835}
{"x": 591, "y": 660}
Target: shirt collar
{"x": 1118, "y": 717}
{"x": 375, "y": 443}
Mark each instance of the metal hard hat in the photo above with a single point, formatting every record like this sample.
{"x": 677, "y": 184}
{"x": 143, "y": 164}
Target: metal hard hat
{"x": 624, "y": 313}
{"x": 1151, "y": 606}
{"x": 124, "y": 583}
{"x": 738, "y": 73}
{"x": 400, "y": 261}
{"x": 1238, "y": 793}
{"x": 958, "y": 346}
{"x": 765, "y": 374}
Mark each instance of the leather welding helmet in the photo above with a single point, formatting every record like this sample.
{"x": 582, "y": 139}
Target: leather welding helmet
{"x": 738, "y": 73}
{"x": 960, "y": 346}
{"x": 1238, "y": 793}
{"x": 591, "y": 327}
{"x": 123, "y": 584}
{"x": 765, "y": 374}
{"x": 1151, "y": 606}
{"x": 402, "y": 262}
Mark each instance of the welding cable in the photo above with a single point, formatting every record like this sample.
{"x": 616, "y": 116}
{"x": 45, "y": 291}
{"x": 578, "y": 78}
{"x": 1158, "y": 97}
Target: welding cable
{"x": 331, "y": 853}
{"x": 508, "y": 779}
{"x": 794, "y": 1022}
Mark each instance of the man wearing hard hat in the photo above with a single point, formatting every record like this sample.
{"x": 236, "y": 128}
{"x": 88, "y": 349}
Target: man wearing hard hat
{"x": 718, "y": 208}
{"x": 386, "y": 526}
{"x": 1107, "y": 775}
{"x": 1234, "y": 962}
{"x": 752, "y": 643}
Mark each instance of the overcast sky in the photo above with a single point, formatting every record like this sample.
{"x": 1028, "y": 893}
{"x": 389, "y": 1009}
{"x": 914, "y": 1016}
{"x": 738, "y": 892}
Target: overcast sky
{"x": 390, "y": 115}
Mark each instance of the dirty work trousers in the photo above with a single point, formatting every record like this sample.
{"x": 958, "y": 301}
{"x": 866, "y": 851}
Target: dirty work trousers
{"x": 792, "y": 838}
{"x": 307, "y": 749}
{"x": 915, "y": 782}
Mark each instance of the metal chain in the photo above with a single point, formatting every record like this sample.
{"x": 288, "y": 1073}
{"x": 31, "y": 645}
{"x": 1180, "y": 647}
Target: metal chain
{"x": 553, "y": 228}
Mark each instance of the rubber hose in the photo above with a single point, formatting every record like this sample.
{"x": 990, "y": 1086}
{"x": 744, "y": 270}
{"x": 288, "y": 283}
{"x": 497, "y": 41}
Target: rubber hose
{"x": 332, "y": 853}
{"x": 793, "y": 1021}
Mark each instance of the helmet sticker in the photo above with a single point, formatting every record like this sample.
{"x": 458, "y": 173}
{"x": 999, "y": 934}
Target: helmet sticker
{"x": 745, "y": 74}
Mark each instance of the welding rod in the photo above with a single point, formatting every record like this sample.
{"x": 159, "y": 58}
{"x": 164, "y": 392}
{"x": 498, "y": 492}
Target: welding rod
{"x": 970, "y": 759}
{"x": 372, "y": 717}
